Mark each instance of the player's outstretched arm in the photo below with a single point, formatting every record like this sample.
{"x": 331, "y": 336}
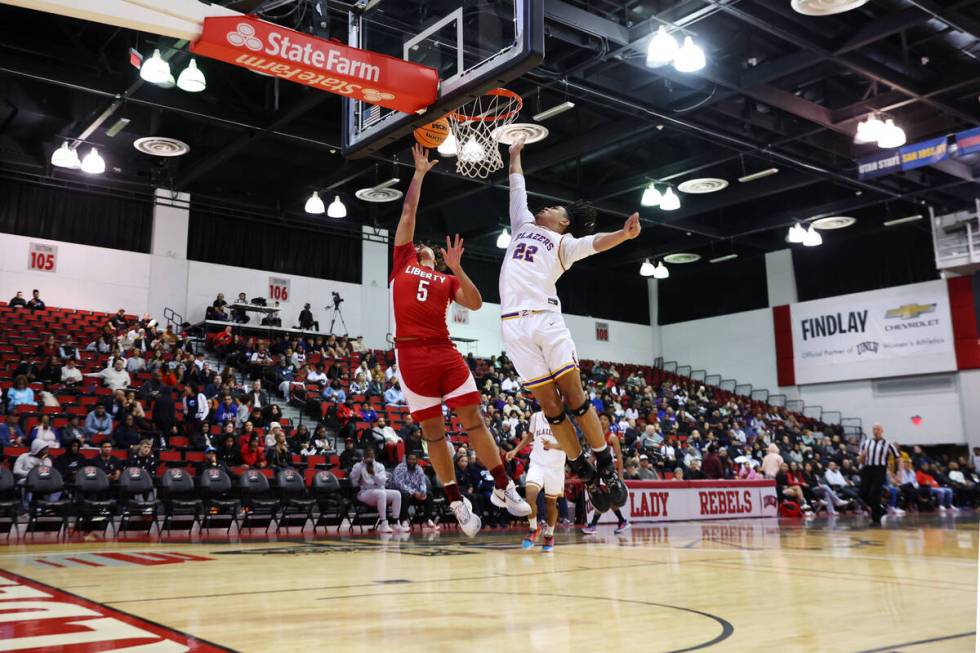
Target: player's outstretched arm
{"x": 406, "y": 224}
{"x": 526, "y": 440}
{"x": 515, "y": 157}
{"x": 630, "y": 230}
{"x": 468, "y": 294}
{"x": 519, "y": 213}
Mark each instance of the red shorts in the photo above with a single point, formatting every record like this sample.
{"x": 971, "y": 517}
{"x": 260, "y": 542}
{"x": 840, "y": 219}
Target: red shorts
{"x": 432, "y": 372}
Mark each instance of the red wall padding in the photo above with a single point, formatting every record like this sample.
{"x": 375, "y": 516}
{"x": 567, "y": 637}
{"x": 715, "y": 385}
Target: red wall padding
{"x": 783, "y": 330}
{"x": 966, "y": 334}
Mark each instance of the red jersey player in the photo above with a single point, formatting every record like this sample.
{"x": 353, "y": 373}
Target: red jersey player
{"x": 430, "y": 369}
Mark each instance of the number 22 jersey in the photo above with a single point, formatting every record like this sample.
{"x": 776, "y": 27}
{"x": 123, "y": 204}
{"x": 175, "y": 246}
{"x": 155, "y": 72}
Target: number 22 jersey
{"x": 419, "y": 296}
{"x": 535, "y": 259}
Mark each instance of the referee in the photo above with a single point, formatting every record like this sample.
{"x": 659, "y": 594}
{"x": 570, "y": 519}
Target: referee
{"x": 874, "y": 465}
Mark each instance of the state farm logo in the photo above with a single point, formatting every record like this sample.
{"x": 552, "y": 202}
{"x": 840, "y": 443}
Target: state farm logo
{"x": 244, "y": 34}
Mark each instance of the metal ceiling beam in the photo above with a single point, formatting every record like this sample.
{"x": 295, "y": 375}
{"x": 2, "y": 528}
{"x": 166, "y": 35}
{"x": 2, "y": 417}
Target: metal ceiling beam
{"x": 881, "y": 28}
{"x": 958, "y": 21}
{"x": 733, "y": 196}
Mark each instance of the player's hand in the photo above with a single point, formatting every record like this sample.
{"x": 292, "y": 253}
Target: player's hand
{"x": 453, "y": 252}
{"x": 510, "y": 455}
{"x": 421, "y": 156}
{"x": 516, "y": 148}
{"x": 631, "y": 228}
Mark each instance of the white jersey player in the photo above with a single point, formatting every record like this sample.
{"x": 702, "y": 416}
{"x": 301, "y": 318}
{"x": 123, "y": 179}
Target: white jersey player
{"x": 546, "y": 472}
{"x": 544, "y": 245}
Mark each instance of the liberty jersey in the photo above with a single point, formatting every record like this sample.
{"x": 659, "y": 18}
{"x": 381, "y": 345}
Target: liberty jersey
{"x": 541, "y": 430}
{"x": 419, "y": 296}
{"x": 536, "y": 258}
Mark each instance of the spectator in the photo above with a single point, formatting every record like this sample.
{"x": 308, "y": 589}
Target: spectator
{"x": 74, "y": 431}
{"x": 239, "y": 315}
{"x": 747, "y": 471}
{"x": 316, "y": 376}
{"x": 114, "y": 377}
{"x": 841, "y": 485}
{"x": 712, "y": 464}
{"x": 135, "y": 363}
{"x": 126, "y": 434}
{"x": 227, "y": 410}
{"x": 787, "y": 488}
{"x": 278, "y": 456}
{"x": 19, "y": 394}
{"x": 196, "y": 408}
{"x": 71, "y": 376}
{"x": 306, "y": 321}
{"x": 98, "y": 422}
{"x": 394, "y": 396}
{"x": 70, "y": 461}
{"x": 46, "y": 433}
{"x": 142, "y": 456}
{"x": 211, "y": 462}
{"x": 35, "y": 303}
{"x": 349, "y": 456}
{"x": 772, "y": 463}
{"x": 357, "y": 345}
{"x": 645, "y": 471}
{"x": 17, "y": 301}
{"x": 391, "y": 372}
{"x": 409, "y": 479}
{"x": 108, "y": 463}
{"x": 942, "y": 495}
{"x": 510, "y": 385}
{"x": 11, "y": 433}
{"x": 334, "y": 392}
{"x": 38, "y": 455}
{"x": 369, "y": 477}
{"x": 678, "y": 474}
{"x": 68, "y": 351}
{"x": 253, "y": 455}
{"x": 359, "y": 386}
{"x": 257, "y": 397}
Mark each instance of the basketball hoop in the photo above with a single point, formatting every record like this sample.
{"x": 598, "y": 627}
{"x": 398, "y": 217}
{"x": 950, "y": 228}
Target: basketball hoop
{"x": 476, "y": 126}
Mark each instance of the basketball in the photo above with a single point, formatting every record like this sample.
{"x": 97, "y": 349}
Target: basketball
{"x": 433, "y": 134}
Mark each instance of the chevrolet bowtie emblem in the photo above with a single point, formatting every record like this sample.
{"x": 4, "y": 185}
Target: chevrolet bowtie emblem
{"x": 909, "y": 311}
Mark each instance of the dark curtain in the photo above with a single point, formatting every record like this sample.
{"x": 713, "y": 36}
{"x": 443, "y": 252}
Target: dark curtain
{"x": 277, "y": 247}
{"x": 893, "y": 257}
{"x": 75, "y": 216}
{"x": 701, "y": 290}
{"x": 605, "y": 294}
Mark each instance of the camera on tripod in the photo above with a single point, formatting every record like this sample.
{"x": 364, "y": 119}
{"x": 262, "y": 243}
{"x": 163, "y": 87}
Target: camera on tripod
{"x": 337, "y": 314}
{"x": 337, "y": 299}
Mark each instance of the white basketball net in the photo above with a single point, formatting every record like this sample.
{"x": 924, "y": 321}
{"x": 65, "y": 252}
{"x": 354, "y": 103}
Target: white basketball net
{"x": 475, "y": 127}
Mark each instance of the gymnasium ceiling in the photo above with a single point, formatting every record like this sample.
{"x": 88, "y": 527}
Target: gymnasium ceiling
{"x": 780, "y": 90}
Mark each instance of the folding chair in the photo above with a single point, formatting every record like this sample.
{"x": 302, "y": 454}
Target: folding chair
{"x": 43, "y": 482}
{"x": 260, "y": 508}
{"x": 296, "y": 507}
{"x": 333, "y": 507}
{"x": 220, "y": 509}
{"x": 138, "y": 513}
{"x": 9, "y": 502}
{"x": 179, "y": 500}
{"x": 93, "y": 507}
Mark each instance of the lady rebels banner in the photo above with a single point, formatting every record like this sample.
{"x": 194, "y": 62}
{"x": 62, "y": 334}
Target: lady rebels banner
{"x": 653, "y": 501}
{"x": 889, "y": 332}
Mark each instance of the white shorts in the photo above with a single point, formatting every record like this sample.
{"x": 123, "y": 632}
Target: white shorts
{"x": 539, "y": 345}
{"x": 552, "y": 479}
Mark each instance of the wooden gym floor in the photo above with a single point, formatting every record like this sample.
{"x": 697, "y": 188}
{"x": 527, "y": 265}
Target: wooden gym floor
{"x": 720, "y": 586}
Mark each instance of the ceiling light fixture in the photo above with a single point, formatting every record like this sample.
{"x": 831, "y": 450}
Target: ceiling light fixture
{"x": 722, "y": 259}
{"x": 647, "y": 269}
{"x": 758, "y": 175}
{"x": 897, "y": 221}
{"x": 661, "y": 271}
{"x": 796, "y": 234}
{"x": 869, "y": 130}
{"x": 812, "y": 238}
{"x": 651, "y": 196}
{"x": 670, "y": 201}
{"x": 690, "y": 58}
{"x": 891, "y": 136}
{"x": 337, "y": 208}
{"x": 66, "y": 157}
{"x": 155, "y": 70}
{"x": 93, "y": 163}
{"x": 554, "y": 111}
{"x": 314, "y": 205}
{"x": 448, "y": 146}
{"x": 662, "y": 48}
{"x": 191, "y": 79}
{"x": 503, "y": 240}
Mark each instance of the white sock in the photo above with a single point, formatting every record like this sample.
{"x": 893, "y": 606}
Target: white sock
{"x": 533, "y": 523}
{"x": 549, "y": 530}
{"x": 598, "y": 449}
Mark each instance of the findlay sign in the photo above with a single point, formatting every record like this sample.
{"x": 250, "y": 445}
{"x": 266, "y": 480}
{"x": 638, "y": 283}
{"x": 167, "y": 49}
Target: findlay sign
{"x": 273, "y": 50}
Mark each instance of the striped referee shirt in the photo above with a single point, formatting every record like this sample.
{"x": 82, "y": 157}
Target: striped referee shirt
{"x": 876, "y": 452}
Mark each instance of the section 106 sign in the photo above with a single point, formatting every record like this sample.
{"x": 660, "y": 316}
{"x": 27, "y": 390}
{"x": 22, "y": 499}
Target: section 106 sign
{"x": 279, "y": 289}
{"x": 43, "y": 258}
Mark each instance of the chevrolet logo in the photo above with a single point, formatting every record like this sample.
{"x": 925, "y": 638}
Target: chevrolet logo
{"x": 909, "y": 311}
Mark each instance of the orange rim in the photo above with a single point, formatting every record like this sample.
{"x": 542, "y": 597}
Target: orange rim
{"x": 503, "y": 92}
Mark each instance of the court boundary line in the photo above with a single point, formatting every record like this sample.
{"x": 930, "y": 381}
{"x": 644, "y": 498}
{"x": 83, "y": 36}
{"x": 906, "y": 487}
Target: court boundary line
{"x": 920, "y": 642}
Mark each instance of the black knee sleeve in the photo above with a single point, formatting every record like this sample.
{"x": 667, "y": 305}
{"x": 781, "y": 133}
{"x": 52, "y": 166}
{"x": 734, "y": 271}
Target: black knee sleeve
{"x": 557, "y": 419}
{"x": 581, "y": 410}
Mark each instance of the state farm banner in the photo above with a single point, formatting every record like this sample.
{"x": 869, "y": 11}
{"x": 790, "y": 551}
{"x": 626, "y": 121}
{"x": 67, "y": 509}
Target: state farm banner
{"x": 273, "y": 50}
{"x": 889, "y": 332}
{"x": 655, "y": 501}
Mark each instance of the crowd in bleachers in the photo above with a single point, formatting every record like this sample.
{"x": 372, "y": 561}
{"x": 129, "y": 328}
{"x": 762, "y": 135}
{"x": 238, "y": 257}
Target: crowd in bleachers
{"x": 79, "y": 385}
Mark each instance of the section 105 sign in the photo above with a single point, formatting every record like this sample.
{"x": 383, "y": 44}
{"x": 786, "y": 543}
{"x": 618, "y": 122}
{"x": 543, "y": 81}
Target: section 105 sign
{"x": 43, "y": 258}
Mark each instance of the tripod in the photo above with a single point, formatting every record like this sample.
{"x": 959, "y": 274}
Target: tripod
{"x": 337, "y": 313}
